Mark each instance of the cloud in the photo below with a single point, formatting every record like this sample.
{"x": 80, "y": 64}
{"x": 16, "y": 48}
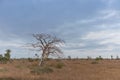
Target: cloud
{"x": 10, "y": 39}
{"x": 110, "y": 3}
{"x": 102, "y": 29}
{"x": 105, "y": 34}
{"x": 98, "y": 34}
{"x": 75, "y": 46}
{"x": 88, "y": 30}
{"x": 13, "y": 43}
{"x": 108, "y": 40}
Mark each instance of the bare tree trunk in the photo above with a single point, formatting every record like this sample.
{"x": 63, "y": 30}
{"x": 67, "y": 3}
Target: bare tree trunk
{"x": 41, "y": 61}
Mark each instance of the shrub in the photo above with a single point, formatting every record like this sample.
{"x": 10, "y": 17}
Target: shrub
{"x": 3, "y": 60}
{"x": 94, "y": 62}
{"x": 41, "y": 70}
{"x": 59, "y": 65}
{"x": 7, "y": 54}
{"x": 99, "y": 58}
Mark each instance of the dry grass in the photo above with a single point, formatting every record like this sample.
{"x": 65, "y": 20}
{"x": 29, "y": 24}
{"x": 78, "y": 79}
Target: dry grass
{"x": 73, "y": 70}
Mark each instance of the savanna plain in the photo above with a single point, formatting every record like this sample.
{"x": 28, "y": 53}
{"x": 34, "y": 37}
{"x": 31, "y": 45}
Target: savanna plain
{"x": 77, "y": 69}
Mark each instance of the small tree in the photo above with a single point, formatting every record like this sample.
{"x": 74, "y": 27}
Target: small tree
{"x": 48, "y": 45}
{"x": 6, "y": 57}
{"x": 69, "y": 57}
{"x": 117, "y": 57}
{"x": 1, "y": 57}
{"x": 7, "y": 54}
{"x": 111, "y": 57}
{"x": 88, "y": 58}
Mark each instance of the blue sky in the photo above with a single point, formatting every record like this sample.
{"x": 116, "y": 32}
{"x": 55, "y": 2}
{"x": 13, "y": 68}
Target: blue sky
{"x": 89, "y": 27}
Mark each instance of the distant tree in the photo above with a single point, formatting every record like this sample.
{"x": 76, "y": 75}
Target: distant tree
{"x": 99, "y": 58}
{"x": 37, "y": 55}
{"x": 6, "y": 57}
{"x": 111, "y": 57}
{"x": 69, "y": 57}
{"x": 7, "y": 54}
{"x": 88, "y": 57}
{"x": 1, "y": 57}
{"x": 48, "y": 45}
{"x": 117, "y": 57}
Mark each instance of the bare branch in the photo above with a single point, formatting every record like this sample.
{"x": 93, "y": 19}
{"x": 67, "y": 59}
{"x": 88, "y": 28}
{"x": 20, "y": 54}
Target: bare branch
{"x": 48, "y": 44}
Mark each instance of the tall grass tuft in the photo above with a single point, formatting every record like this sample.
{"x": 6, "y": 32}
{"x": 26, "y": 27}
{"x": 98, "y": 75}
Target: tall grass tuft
{"x": 41, "y": 70}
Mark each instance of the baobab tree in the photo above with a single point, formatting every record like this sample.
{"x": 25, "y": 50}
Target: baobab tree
{"x": 48, "y": 45}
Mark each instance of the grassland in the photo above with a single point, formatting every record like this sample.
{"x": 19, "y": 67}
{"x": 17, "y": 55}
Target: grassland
{"x": 72, "y": 70}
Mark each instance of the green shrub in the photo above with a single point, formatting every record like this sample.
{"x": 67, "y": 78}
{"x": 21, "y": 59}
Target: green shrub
{"x": 59, "y": 65}
{"x": 99, "y": 58}
{"x": 7, "y": 54}
{"x": 41, "y": 70}
{"x": 3, "y": 60}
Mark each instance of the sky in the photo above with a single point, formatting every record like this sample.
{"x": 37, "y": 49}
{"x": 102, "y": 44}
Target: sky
{"x": 89, "y": 27}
